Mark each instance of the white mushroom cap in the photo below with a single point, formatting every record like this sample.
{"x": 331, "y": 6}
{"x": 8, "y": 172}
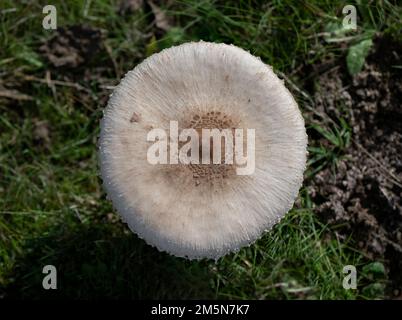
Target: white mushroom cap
{"x": 169, "y": 206}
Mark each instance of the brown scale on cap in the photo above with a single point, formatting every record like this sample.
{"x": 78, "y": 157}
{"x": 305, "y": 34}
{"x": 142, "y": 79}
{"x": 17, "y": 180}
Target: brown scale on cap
{"x": 212, "y": 173}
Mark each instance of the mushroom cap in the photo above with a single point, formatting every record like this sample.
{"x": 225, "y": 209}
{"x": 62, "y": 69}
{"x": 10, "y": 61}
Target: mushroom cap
{"x": 169, "y": 206}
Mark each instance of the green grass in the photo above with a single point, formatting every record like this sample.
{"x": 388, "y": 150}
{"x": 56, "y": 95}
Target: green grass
{"x": 53, "y": 209}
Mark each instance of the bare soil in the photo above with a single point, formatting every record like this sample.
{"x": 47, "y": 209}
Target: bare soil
{"x": 72, "y": 46}
{"x": 364, "y": 196}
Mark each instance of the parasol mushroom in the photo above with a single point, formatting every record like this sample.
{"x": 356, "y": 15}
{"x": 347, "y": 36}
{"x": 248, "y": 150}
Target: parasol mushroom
{"x": 194, "y": 209}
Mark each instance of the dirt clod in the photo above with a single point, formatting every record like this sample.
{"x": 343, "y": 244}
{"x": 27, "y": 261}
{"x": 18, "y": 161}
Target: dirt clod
{"x": 72, "y": 46}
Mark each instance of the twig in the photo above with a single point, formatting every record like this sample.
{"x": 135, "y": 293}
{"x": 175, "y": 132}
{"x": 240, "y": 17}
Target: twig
{"x": 56, "y": 82}
{"x": 110, "y": 53}
{"x": 30, "y": 212}
{"x": 15, "y": 95}
{"x": 49, "y": 83}
{"x": 394, "y": 179}
{"x": 396, "y": 246}
{"x": 8, "y": 10}
{"x": 310, "y": 107}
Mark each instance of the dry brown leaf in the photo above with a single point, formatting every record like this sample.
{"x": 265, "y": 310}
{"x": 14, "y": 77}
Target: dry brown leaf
{"x": 130, "y": 6}
{"x": 162, "y": 21}
{"x": 41, "y": 132}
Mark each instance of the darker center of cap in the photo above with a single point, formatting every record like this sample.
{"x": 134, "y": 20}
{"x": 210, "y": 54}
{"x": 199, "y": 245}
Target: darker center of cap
{"x": 212, "y": 173}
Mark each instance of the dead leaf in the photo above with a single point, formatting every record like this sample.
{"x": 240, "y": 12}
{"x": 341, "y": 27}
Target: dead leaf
{"x": 41, "y": 132}
{"x": 162, "y": 21}
{"x": 130, "y": 6}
